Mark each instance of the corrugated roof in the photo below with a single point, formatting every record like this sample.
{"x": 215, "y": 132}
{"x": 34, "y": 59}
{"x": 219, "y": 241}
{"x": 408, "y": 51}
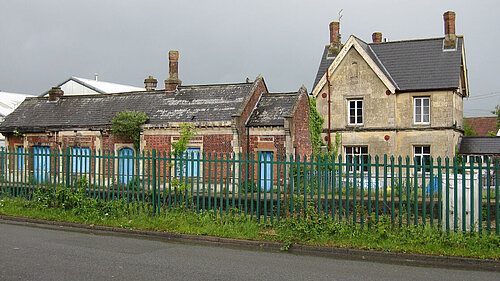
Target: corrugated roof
{"x": 479, "y": 145}
{"x": 271, "y": 109}
{"x": 101, "y": 87}
{"x": 203, "y": 103}
{"x": 9, "y": 102}
{"x": 108, "y": 87}
{"x": 420, "y": 64}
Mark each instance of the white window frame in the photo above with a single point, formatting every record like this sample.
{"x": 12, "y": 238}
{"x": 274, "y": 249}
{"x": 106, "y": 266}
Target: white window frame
{"x": 356, "y": 152}
{"x": 356, "y": 108}
{"x": 421, "y": 155}
{"x": 420, "y": 110}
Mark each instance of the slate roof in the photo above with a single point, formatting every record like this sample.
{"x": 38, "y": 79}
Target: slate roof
{"x": 482, "y": 125}
{"x": 323, "y": 66}
{"x": 271, "y": 109}
{"x": 201, "y": 103}
{"x": 479, "y": 145}
{"x": 413, "y": 64}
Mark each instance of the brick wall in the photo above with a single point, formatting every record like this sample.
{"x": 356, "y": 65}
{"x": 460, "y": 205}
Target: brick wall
{"x": 259, "y": 89}
{"x": 301, "y": 131}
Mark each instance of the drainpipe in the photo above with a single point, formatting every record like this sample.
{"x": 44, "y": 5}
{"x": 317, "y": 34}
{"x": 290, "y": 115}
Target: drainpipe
{"x": 329, "y": 106}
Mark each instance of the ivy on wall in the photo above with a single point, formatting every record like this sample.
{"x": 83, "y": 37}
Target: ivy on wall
{"x": 127, "y": 124}
{"x": 315, "y": 126}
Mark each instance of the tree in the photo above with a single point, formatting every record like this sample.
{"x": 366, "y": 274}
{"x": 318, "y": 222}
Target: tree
{"x": 497, "y": 113}
{"x": 187, "y": 131}
{"x": 127, "y": 124}
{"x": 468, "y": 130}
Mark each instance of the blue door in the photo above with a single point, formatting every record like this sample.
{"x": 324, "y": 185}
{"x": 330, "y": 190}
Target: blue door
{"x": 266, "y": 170}
{"x": 80, "y": 160}
{"x": 126, "y": 165}
{"x": 41, "y": 163}
{"x": 192, "y": 155}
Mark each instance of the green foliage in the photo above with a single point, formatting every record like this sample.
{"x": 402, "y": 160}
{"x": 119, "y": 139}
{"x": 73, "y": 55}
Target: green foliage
{"x": 468, "y": 130}
{"x": 187, "y": 131}
{"x": 127, "y": 124}
{"x": 305, "y": 227}
{"x": 78, "y": 203}
{"x": 315, "y": 126}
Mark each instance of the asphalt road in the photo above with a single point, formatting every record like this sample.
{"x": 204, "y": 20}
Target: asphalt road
{"x": 31, "y": 253}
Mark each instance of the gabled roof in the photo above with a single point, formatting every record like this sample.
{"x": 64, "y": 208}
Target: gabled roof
{"x": 198, "y": 103}
{"x": 479, "y": 145}
{"x": 273, "y": 108}
{"x": 482, "y": 125}
{"x": 410, "y": 65}
{"x": 100, "y": 87}
{"x": 365, "y": 52}
{"x": 9, "y": 101}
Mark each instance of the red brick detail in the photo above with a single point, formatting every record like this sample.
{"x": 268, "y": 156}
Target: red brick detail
{"x": 302, "y": 141}
{"x": 255, "y": 95}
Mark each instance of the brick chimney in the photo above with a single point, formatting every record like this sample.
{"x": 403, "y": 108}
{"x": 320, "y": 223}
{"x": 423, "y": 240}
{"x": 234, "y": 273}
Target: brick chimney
{"x": 377, "y": 37}
{"x": 55, "y": 93}
{"x": 150, "y": 83}
{"x": 335, "y": 39}
{"x": 450, "y": 38}
{"x": 173, "y": 81}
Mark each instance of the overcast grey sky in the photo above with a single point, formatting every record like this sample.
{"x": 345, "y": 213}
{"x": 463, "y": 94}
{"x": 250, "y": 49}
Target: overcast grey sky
{"x": 45, "y": 42}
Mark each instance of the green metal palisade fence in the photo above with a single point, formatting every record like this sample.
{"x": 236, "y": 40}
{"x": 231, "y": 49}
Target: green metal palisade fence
{"x": 450, "y": 194}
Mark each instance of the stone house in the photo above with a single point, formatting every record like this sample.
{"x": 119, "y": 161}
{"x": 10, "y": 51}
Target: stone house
{"x": 396, "y": 98}
{"x": 229, "y": 118}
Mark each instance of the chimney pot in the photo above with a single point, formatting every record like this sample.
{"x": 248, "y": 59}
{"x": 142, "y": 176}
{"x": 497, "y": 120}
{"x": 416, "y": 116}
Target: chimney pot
{"x": 450, "y": 38}
{"x": 55, "y": 93}
{"x": 173, "y": 81}
{"x": 150, "y": 83}
{"x": 377, "y": 37}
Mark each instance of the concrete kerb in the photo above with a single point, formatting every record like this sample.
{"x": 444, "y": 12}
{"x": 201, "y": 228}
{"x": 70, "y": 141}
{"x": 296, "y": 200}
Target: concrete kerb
{"x": 330, "y": 252}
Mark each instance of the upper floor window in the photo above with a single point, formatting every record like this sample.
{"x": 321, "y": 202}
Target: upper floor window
{"x": 422, "y": 110}
{"x": 355, "y": 112}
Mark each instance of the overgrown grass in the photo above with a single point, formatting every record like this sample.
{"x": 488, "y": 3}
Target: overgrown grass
{"x": 305, "y": 228}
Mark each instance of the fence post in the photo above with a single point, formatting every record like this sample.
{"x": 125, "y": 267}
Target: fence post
{"x": 155, "y": 199}
{"x": 68, "y": 167}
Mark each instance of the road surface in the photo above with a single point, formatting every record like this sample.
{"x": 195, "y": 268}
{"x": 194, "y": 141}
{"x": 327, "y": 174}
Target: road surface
{"x": 31, "y": 253}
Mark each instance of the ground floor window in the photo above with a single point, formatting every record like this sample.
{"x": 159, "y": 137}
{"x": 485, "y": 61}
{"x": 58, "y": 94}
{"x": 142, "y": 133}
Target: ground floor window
{"x": 357, "y": 158}
{"x": 422, "y": 154}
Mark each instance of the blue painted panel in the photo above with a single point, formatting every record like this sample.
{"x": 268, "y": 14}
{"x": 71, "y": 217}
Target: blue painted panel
{"x": 41, "y": 163}
{"x": 20, "y": 157}
{"x": 192, "y": 155}
{"x": 80, "y": 159}
{"x": 126, "y": 165}
{"x": 266, "y": 170}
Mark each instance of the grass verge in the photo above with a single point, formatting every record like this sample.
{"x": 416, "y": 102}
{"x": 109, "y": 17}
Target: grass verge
{"x": 305, "y": 228}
